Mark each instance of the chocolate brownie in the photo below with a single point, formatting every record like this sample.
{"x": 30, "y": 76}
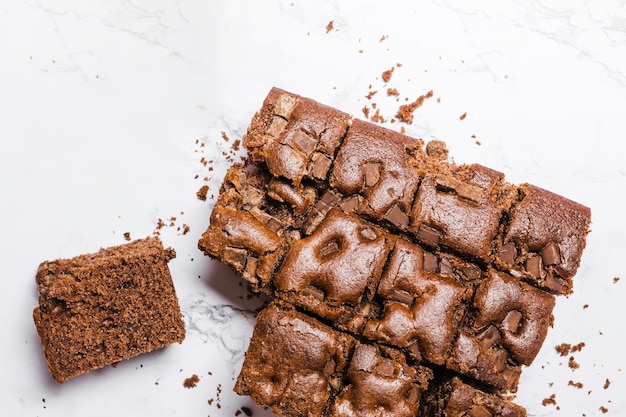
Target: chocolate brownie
{"x": 98, "y": 309}
{"x": 299, "y": 366}
{"x": 382, "y": 238}
{"x": 294, "y": 363}
{"x": 451, "y": 397}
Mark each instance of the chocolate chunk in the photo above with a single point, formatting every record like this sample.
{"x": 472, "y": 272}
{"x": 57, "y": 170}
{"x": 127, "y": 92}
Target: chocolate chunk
{"x": 398, "y": 218}
{"x": 507, "y": 253}
{"x": 319, "y": 166}
{"x": 550, "y": 254}
{"x": 429, "y": 235}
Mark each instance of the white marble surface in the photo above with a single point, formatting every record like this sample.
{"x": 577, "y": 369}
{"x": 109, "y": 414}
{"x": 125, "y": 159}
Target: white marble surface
{"x": 102, "y": 102}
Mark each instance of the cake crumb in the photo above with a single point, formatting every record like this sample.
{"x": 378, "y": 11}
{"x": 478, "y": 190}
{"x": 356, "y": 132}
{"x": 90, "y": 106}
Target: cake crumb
{"x": 127, "y": 236}
{"x": 615, "y": 280}
{"x": 393, "y": 92}
{"x": 330, "y": 26}
{"x": 572, "y": 363}
{"x": 191, "y": 382}
{"x": 578, "y": 385}
{"x": 366, "y": 112}
{"x": 607, "y": 383}
{"x": 578, "y": 347}
{"x": 604, "y": 409}
{"x": 224, "y": 136}
{"x": 202, "y": 192}
{"x": 377, "y": 118}
{"x": 371, "y": 94}
{"x": 549, "y": 401}
{"x": 463, "y": 116}
{"x": 563, "y": 349}
{"x": 387, "y": 74}
{"x": 405, "y": 112}
{"x": 383, "y": 38}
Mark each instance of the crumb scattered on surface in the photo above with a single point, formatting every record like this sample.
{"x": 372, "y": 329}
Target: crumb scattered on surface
{"x": 191, "y": 382}
{"x": 383, "y": 38}
{"x": 463, "y": 116}
{"x": 330, "y": 26}
{"x": 551, "y": 400}
{"x": 405, "y": 112}
{"x": 607, "y": 383}
{"x": 377, "y": 117}
{"x": 578, "y": 385}
{"x": 387, "y": 74}
{"x": 578, "y": 347}
{"x": 615, "y": 280}
{"x": 202, "y": 192}
{"x": 393, "y": 92}
{"x": 572, "y": 363}
{"x": 371, "y": 94}
{"x": 604, "y": 409}
{"x": 127, "y": 236}
{"x": 563, "y": 349}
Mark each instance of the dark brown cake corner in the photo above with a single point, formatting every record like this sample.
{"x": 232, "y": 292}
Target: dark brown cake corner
{"x": 98, "y": 309}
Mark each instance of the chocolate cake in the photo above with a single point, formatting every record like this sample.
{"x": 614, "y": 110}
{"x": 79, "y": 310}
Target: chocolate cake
{"x": 443, "y": 272}
{"x": 98, "y": 309}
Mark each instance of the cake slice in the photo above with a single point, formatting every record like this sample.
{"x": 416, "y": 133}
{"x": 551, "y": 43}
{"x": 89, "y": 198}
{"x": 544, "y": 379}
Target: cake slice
{"x": 98, "y": 309}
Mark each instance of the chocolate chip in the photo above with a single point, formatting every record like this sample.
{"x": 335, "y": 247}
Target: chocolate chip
{"x": 554, "y": 283}
{"x": 284, "y": 105}
{"x": 512, "y": 321}
{"x": 368, "y": 233}
{"x": 236, "y": 257}
{"x": 277, "y": 126}
{"x": 329, "y": 248}
{"x": 329, "y": 198}
{"x": 329, "y": 368}
{"x": 551, "y": 254}
{"x": 372, "y": 174}
{"x": 431, "y": 263}
{"x": 305, "y": 143}
{"x": 402, "y": 297}
{"x": 314, "y": 292}
{"x": 445, "y": 183}
{"x": 429, "y": 235}
{"x": 445, "y": 267}
{"x": 249, "y": 273}
{"x": 507, "y": 253}
{"x": 414, "y": 394}
{"x": 319, "y": 166}
{"x": 350, "y": 204}
{"x": 415, "y": 351}
{"x": 478, "y": 411}
{"x": 534, "y": 266}
{"x": 385, "y": 368}
{"x": 489, "y": 336}
{"x": 397, "y": 217}
{"x": 470, "y": 192}
{"x": 471, "y": 272}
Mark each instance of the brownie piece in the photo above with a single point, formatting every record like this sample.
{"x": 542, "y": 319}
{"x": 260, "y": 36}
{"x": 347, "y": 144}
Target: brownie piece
{"x": 294, "y": 364}
{"x": 547, "y": 235}
{"x": 451, "y": 397}
{"x": 504, "y": 329}
{"x": 98, "y": 309}
{"x": 420, "y": 308}
{"x": 295, "y": 136}
{"x": 379, "y": 381}
{"x": 381, "y": 167}
{"x": 333, "y": 272}
{"x": 383, "y": 239}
